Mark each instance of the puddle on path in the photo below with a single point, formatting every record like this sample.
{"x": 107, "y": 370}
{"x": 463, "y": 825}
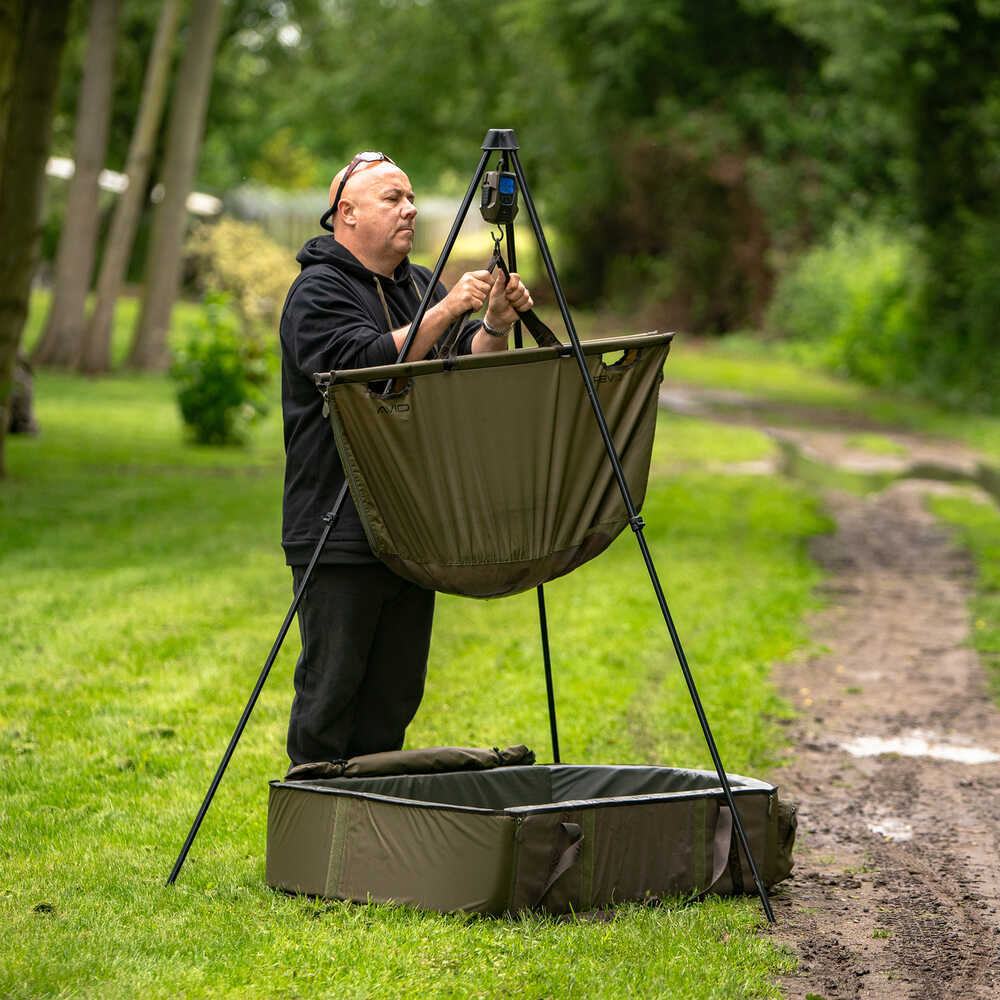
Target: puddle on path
{"x": 919, "y": 744}
{"x": 892, "y": 829}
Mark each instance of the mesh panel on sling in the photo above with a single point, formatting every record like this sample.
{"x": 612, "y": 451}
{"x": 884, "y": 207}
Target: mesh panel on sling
{"x": 486, "y": 475}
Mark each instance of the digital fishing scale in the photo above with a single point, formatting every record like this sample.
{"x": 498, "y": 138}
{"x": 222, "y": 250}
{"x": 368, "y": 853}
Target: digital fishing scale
{"x": 499, "y": 196}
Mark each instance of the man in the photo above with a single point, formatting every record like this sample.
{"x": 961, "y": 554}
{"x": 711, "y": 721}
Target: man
{"x": 365, "y": 631}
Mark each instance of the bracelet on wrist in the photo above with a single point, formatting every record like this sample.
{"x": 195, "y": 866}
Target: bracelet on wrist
{"x": 495, "y": 333}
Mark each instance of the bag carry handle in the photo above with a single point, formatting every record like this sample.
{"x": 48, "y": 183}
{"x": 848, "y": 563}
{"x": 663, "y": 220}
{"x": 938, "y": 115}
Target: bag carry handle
{"x": 721, "y": 845}
{"x": 722, "y": 848}
{"x": 567, "y": 859}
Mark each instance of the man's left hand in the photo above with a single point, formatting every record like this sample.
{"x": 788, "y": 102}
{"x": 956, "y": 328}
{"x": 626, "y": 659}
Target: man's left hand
{"x": 507, "y": 299}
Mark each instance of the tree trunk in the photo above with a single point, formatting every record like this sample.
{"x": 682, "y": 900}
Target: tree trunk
{"x": 11, "y": 15}
{"x": 94, "y": 353}
{"x": 78, "y": 240}
{"x": 184, "y": 134}
{"x": 32, "y": 36}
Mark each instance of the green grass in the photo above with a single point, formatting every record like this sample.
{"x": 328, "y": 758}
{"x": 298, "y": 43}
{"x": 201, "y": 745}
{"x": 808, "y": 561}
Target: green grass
{"x": 142, "y": 585}
{"x": 125, "y": 315}
{"x": 875, "y": 444}
{"x": 748, "y": 365}
{"x": 977, "y": 526}
{"x": 743, "y": 364}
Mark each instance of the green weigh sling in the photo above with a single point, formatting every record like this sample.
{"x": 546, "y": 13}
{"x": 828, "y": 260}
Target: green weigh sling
{"x": 486, "y": 475}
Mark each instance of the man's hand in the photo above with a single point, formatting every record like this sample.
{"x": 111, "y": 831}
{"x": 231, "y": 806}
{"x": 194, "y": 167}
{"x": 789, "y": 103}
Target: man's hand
{"x": 469, "y": 293}
{"x": 507, "y": 299}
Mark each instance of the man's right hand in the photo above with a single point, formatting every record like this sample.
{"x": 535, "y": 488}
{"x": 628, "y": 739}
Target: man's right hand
{"x": 469, "y": 293}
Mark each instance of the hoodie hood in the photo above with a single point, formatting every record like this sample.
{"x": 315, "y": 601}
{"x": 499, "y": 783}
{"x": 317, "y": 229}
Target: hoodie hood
{"x": 326, "y": 250}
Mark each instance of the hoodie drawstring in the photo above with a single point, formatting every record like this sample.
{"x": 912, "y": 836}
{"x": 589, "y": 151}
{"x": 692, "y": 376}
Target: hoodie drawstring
{"x": 385, "y": 306}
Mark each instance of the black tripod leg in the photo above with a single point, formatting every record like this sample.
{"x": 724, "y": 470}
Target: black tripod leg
{"x": 543, "y": 623}
{"x": 549, "y": 692}
{"x": 636, "y": 523}
{"x": 512, "y": 262}
{"x": 443, "y": 258}
{"x": 330, "y": 518}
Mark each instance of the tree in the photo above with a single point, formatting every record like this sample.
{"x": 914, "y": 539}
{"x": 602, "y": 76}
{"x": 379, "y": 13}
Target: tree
{"x": 94, "y": 354}
{"x": 676, "y": 144}
{"x": 927, "y": 68}
{"x": 78, "y": 241}
{"x": 32, "y": 36}
{"x": 271, "y": 87}
{"x": 184, "y": 135}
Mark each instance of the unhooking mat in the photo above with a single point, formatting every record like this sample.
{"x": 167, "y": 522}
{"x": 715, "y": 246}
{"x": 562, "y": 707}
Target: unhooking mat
{"x": 518, "y": 837}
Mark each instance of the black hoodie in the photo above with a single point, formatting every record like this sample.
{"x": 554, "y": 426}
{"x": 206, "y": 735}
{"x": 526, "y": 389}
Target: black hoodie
{"x": 334, "y": 319}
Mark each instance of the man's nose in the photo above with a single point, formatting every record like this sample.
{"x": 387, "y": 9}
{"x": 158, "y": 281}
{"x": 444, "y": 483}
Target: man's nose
{"x": 410, "y": 210}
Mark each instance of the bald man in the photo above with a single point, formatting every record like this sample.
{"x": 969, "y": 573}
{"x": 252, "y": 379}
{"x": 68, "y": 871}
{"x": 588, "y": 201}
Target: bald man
{"x": 365, "y": 631}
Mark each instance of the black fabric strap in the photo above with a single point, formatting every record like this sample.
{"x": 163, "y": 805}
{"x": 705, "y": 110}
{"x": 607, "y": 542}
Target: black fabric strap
{"x": 540, "y": 333}
{"x": 567, "y": 859}
{"x": 448, "y": 345}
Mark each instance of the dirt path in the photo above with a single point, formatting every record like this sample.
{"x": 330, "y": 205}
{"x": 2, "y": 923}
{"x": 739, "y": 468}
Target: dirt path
{"x": 896, "y": 888}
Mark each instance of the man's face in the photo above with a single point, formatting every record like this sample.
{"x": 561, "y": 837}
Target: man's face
{"x": 379, "y": 201}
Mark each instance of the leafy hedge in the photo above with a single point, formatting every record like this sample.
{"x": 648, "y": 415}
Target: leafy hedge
{"x": 240, "y": 259}
{"x": 862, "y": 304}
{"x": 853, "y": 298}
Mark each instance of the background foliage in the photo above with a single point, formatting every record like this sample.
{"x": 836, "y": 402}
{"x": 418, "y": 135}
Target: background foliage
{"x": 687, "y": 154}
{"x": 242, "y": 261}
{"x": 221, "y": 370}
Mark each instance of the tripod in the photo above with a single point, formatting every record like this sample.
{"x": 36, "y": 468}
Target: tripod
{"x": 504, "y": 143}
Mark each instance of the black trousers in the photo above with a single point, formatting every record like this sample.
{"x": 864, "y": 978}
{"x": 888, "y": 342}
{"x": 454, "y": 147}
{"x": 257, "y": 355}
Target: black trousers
{"x": 358, "y": 682}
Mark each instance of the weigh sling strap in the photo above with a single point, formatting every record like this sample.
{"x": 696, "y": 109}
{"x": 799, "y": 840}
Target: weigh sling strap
{"x": 485, "y": 475}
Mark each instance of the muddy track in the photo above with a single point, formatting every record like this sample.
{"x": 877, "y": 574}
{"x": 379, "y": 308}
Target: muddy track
{"x": 895, "y": 766}
{"x": 896, "y": 891}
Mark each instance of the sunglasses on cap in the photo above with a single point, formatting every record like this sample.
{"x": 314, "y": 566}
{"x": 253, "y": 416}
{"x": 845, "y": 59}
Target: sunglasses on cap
{"x": 368, "y": 156}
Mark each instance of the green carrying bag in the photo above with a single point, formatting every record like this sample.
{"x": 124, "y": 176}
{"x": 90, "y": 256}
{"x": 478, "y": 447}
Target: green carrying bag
{"x": 512, "y": 838}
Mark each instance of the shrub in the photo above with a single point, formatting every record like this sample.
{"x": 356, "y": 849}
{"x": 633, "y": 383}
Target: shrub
{"x": 963, "y": 296}
{"x": 240, "y": 259}
{"x": 855, "y": 299}
{"x": 220, "y": 371}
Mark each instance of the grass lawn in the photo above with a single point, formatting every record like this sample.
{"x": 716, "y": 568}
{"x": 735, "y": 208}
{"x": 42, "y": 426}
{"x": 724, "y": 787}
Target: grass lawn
{"x": 142, "y": 585}
{"x": 747, "y": 365}
{"x": 977, "y": 526}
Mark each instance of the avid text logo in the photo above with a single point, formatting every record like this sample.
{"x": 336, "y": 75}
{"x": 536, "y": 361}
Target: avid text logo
{"x": 393, "y": 409}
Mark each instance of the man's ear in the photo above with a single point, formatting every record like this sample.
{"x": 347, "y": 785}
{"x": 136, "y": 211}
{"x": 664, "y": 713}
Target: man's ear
{"x": 346, "y": 213}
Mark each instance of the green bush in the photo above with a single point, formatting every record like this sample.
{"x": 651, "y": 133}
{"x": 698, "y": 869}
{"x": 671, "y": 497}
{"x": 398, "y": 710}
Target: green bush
{"x": 239, "y": 258}
{"x": 220, "y": 371}
{"x": 855, "y": 300}
{"x": 963, "y": 294}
